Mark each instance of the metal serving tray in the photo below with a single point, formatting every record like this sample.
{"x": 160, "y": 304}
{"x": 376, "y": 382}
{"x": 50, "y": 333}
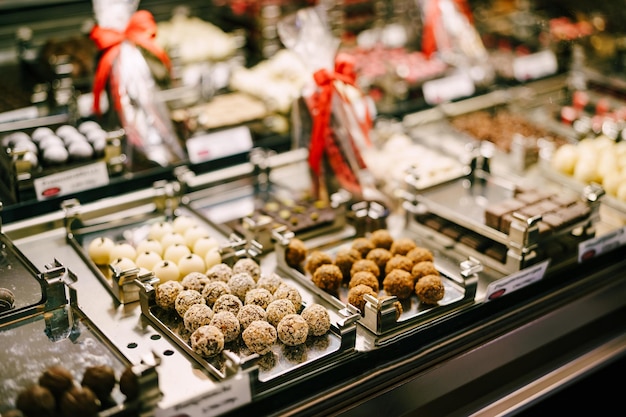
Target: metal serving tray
{"x": 280, "y": 365}
{"x": 379, "y": 316}
{"x": 130, "y": 222}
{"x": 55, "y": 331}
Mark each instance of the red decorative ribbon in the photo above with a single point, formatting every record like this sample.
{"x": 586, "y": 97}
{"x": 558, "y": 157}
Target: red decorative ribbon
{"x": 141, "y": 31}
{"x": 322, "y": 107}
{"x": 432, "y": 19}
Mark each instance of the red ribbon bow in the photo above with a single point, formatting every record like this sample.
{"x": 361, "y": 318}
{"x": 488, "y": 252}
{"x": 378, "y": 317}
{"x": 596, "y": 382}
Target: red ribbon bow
{"x": 141, "y": 31}
{"x": 432, "y": 19}
{"x": 322, "y": 106}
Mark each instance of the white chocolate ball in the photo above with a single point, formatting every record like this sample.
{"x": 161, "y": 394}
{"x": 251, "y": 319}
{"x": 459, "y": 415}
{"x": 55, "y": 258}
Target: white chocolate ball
{"x": 182, "y": 223}
{"x": 157, "y": 230}
{"x": 212, "y": 258}
{"x": 171, "y": 238}
{"x": 176, "y": 251}
{"x": 148, "y": 259}
{"x": 193, "y": 233}
{"x": 205, "y": 244}
{"x": 122, "y": 250}
{"x": 99, "y": 250}
{"x": 123, "y": 264}
{"x": 166, "y": 271}
{"x": 191, "y": 263}
{"x": 150, "y": 245}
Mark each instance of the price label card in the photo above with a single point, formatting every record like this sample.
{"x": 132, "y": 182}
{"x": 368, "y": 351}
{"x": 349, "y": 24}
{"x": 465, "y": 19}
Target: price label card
{"x": 219, "y": 144}
{"x": 228, "y": 395}
{"x": 448, "y": 88}
{"x": 535, "y": 66}
{"x": 71, "y": 181}
{"x": 591, "y": 248}
{"x": 516, "y": 281}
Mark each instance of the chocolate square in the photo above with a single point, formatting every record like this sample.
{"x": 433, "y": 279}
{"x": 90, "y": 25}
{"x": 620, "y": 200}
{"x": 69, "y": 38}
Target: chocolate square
{"x": 475, "y": 241}
{"x": 494, "y": 213}
{"x": 497, "y": 252}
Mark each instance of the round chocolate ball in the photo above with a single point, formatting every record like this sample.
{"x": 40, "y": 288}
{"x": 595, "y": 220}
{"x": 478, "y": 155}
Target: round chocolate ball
{"x": 36, "y": 401}
{"x": 79, "y": 401}
{"x": 57, "y": 379}
{"x": 100, "y": 379}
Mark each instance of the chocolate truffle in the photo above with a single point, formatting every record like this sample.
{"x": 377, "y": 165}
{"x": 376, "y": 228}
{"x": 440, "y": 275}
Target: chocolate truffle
{"x": 398, "y": 262}
{"x": 293, "y": 330}
{"x": 381, "y": 256}
{"x": 259, "y": 336}
{"x": 422, "y": 269}
{"x": 345, "y": 258}
{"x": 101, "y": 380}
{"x": 227, "y": 302}
{"x": 355, "y": 296}
{"x": 365, "y": 265}
{"x": 328, "y": 277}
{"x": 259, "y": 296}
{"x": 228, "y": 324}
{"x": 365, "y": 278}
{"x": 363, "y": 245}
{"x": 381, "y": 238}
{"x": 57, "y": 379}
{"x": 419, "y": 254}
{"x": 195, "y": 281}
{"x": 207, "y": 341}
{"x": 165, "y": 294}
{"x": 36, "y": 401}
{"x": 318, "y": 319}
{"x": 79, "y": 401}
{"x": 214, "y": 290}
{"x": 429, "y": 289}
{"x": 291, "y": 293}
{"x": 295, "y": 253}
{"x": 399, "y": 283}
{"x": 249, "y": 313}
{"x": 278, "y": 309}
{"x": 240, "y": 283}
{"x": 402, "y": 246}
{"x": 249, "y": 266}
{"x": 270, "y": 282}
{"x": 197, "y": 315}
{"x": 129, "y": 384}
{"x": 187, "y": 298}
{"x": 220, "y": 272}
{"x": 316, "y": 259}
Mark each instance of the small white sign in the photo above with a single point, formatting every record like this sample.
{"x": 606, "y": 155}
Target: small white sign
{"x": 448, "y": 88}
{"x": 516, "y": 281}
{"x": 71, "y": 181}
{"x": 219, "y": 144}
{"x": 228, "y": 395}
{"x": 533, "y": 66}
{"x": 591, "y": 248}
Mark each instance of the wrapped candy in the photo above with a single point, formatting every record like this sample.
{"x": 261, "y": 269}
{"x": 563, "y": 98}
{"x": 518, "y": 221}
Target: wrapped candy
{"x": 120, "y": 33}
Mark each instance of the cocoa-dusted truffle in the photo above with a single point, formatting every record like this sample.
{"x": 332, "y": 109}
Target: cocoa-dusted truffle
{"x": 278, "y": 309}
{"x": 345, "y": 258}
{"x": 399, "y": 283}
{"x": 402, "y": 246}
{"x": 290, "y": 293}
{"x": 328, "y": 277}
{"x": 129, "y": 383}
{"x": 249, "y": 266}
{"x": 295, "y": 253}
{"x": 365, "y": 278}
{"x": 219, "y": 272}
{"x": 270, "y": 282}
{"x": 398, "y": 262}
{"x": 228, "y": 324}
{"x": 293, "y": 330}
{"x": 165, "y": 294}
{"x": 240, "y": 283}
{"x": 363, "y": 245}
{"x": 79, "y": 401}
{"x": 365, "y": 265}
{"x": 249, "y": 313}
{"x": 195, "y": 281}
{"x": 187, "y": 298}
{"x": 316, "y": 259}
{"x": 259, "y": 336}
{"x": 207, "y": 341}
{"x": 101, "y": 380}
{"x": 214, "y": 290}
{"x": 419, "y": 254}
{"x": 381, "y": 238}
{"x": 57, "y": 379}
{"x": 381, "y": 256}
{"x": 356, "y": 293}
{"x": 197, "y": 315}
{"x": 259, "y": 296}
{"x": 227, "y": 302}
{"x": 430, "y": 289}
{"x": 422, "y": 269}
{"x": 36, "y": 401}
{"x": 318, "y": 319}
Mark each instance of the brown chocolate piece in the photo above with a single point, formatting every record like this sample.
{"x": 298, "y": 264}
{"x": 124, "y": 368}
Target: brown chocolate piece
{"x": 576, "y": 212}
{"x": 36, "y": 401}
{"x": 453, "y": 231}
{"x": 100, "y": 379}
{"x": 529, "y": 197}
{"x": 494, "y": 213}
{"x": 497, "y": 252}
{"x": 57, "y": 379}
{"x": 295, "y": 253}
{"x": 554, "y": 220}
{"x": 564, "y": 200}
{"x": 79, "y": 401}
{"x": 129, "y": 384}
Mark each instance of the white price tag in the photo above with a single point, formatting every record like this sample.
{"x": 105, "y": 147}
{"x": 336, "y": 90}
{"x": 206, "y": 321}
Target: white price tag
{"x": 228, "y": 395}
{"x": 219, "y": 144}
{"x": 516, "y": 281}
{"x": 535, "y": 66}
{"x": 448, "y": 88}
{"x": 72, "y": 181}
{"x": 591, "y": 248}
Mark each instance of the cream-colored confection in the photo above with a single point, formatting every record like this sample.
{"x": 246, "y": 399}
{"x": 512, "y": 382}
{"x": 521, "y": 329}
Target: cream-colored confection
{"x": 166, "y": 271}
{"x": 159, "y": 229}
{"x": 293, "y": 330}
{"x": 212, "y": 258}
{"x": 172, "y": 238}
{"x": 621, "y": 192}
{"x": 183, "y": 222}
{"x": 612, "y": 181}
{"x": 99, "y": 250}
{"x": 148, "y": 259}
{"x": 122, "y": 250}
{"x": 176, "y": 252}
{"x": 150, "y": 245}
{"x": 191, "y": 263}
{"x": 193, "y": 233}
{"x": 585, "y": 170}
{"x": 564, "y": 159}
{"x": 123, "y": 264}
{"x": 204, "y": 244}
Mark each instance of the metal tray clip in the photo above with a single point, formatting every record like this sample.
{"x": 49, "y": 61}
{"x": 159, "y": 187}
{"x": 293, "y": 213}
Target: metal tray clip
{"x": 124, "y": 282}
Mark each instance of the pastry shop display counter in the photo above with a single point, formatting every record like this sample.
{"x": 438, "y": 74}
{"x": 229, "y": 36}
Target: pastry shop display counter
{"x": 564, "y": 320}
